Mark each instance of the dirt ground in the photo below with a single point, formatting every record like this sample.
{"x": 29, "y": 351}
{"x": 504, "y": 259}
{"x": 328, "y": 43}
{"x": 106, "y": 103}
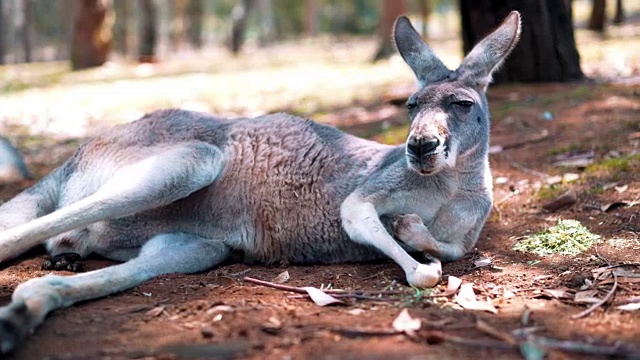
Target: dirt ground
{"x": 218, "y": 315}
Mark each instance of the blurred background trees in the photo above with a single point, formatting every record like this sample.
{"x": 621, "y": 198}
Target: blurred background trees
{"x": 547, "y": 49}
{"x": 89, "y": 32}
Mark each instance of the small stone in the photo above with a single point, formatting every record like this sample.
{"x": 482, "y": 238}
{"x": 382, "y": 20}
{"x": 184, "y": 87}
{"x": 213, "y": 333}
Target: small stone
{"x": 206, "y": 332}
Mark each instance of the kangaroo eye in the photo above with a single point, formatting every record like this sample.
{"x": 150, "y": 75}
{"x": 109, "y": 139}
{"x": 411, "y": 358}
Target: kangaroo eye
{"x": 412, "y": 104}
{"x": 464, "y": 103}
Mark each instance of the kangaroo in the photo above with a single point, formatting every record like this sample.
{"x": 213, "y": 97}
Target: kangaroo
{"x": 179, "y": 191}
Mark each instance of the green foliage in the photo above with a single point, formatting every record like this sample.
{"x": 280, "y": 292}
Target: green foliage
{"x": 550, "y": 192}
{"x": 572, "y": 147}
{"x": 614, "y": 166}
{"x": 569, "y": 237}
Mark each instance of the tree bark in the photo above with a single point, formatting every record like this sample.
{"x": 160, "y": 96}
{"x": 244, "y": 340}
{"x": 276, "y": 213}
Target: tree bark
{"x": 92, "y": 36}
{"x": 391, "y": 9}
{"x": 121, "y": 26}
{"x": 619, "y": 17}
{"x": 311, "y": 17}
{"x": 27, "y": 30}
{"x": 239, "y": 24}
{"x": 177, "y": 27}
{"x": 195, "y": 17}
{"x": 546, "y": 51}
{"x": 148, "y": 34}
{"x": 2, "y": 32}
{"x": 598, "y": 15}
{"x": 425, "y": 12}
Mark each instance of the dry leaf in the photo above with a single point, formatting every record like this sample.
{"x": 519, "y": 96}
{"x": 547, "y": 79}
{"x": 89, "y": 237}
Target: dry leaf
{"x": 622, "y": 188}
{"x": 220, "y": 308}
{"x": 626, "y": 273}
{"x": 613, "y": 206}
{"x": 227, "y": 280}
{"x": 453, "y": 283}
{"x": 552, "y": 180}
{"x": 573, "y": 159}
{"x": 586, "y": 297}
{"x": 559, "y": 293}
{"x": 570, "y": 177}
{"x": 482, "y": 262}
{"x": 567, "y": 199}
{"x": 467, "y": 299}
{"x": 405, "y": 323}
{"x": 320, "y": 297}
{"x": 356, "y": 312}
{"x": 272, "y": 325}
{"x": 621, "y": 280}
{"x": 282, "y": 278}
{"x": 156, "y": 311}
{"x": 629, "y": 307}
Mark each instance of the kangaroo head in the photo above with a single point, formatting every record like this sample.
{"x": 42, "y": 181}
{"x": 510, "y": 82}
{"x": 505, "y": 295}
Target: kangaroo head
{"x": 449, "y": 113}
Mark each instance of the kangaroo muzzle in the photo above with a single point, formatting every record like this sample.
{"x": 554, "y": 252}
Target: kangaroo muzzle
{"x": 422, "y": 146}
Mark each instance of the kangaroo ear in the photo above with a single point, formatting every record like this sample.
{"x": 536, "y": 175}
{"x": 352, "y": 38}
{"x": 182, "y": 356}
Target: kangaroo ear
{"x": 417, "y": 54}
{"x": 488, "y": 54}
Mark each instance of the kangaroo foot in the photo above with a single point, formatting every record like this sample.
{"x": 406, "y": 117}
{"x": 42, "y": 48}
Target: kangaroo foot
{"x": 64, "y": 261}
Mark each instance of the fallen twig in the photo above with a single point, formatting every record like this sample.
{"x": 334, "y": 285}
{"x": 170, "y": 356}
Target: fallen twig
{"x": 276, "y": 286}
{"x": 604, "y": 300}
{"x": 240, "y": 273}
{"x": 544, "y": 135}
{"x": 356, "y": 332}
{"x": 435, "y": 336}
{"x": 337, "y": 292}
{"x": 507, "y": 197}
{"x": 621, "y": 350}
{"x": 529, "y": 171}
{"x": 347, "y": 295}
{"x": 495, "y": 333}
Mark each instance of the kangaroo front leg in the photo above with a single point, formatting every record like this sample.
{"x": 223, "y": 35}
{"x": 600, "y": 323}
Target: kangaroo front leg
{"x": 452, "y": 233}
{"x": 168, "y": 175}
{"x": 362, "y": 223}
{"x": 163, "y": 254}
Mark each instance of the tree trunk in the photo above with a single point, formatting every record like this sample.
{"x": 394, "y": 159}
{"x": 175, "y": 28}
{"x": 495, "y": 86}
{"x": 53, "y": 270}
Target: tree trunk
{"x": 598, "y": 15}
{"x": 27, "y": 30}
{"x": 267, "y": 21}
{"x": 177, "y": 25}
{"x": 619, "y": 18}
{"x": 425, "y": 11}
{"x": 391, "y": 9}
{"x": 148, "y": 35}
{"x": 92, "y": 36}
{"x": 239, "y": 24}
{"x": 121, "y": 26}
{"x": 311, "y": 17}
{"x": 2, "y": 32}
{"x": 547, "y": 49}
{"x": 67, "y": 16}
{"x": 195, "y": 18}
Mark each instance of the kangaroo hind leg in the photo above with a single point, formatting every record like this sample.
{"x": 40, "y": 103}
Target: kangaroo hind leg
{"x": 163, "y": 254}
{"x": 171, "y": 173}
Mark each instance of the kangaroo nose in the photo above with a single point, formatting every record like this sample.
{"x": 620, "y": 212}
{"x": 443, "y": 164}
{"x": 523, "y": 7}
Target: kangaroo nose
{"x": 423, "y": 146}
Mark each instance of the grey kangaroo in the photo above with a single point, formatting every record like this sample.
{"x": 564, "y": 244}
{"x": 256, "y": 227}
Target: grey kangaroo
{"x": 180, "y": 192}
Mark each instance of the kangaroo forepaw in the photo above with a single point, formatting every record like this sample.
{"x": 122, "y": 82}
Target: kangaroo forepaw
{"x": 426, "y": 275}
{"x": 64, "y": 261}
{"x": 410, "y": 229}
